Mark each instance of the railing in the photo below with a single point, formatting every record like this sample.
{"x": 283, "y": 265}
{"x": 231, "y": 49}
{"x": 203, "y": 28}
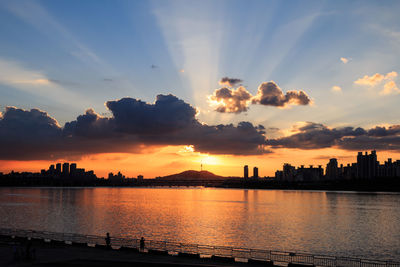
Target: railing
{"x": 204, "y": 250}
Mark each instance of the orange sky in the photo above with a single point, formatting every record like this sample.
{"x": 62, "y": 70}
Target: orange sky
{"x": 162, "y": 161}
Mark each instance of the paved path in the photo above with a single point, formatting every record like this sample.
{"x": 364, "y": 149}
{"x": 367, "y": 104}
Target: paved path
{"x": 67, "y": 255}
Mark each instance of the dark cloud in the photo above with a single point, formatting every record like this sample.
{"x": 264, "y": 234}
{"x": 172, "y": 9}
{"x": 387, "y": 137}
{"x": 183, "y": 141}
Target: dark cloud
{"x": 315, "y": 135}
{"x": 90, "y": 125}
{"x": 231, "y": 100}
{"x": 270, "y": 94}
{"x": 168, "y": 114}
{"x": 108, "y": 80}
{"x": 383, "y": 131}
{"x": 231, "y": 82}
{"x": 134, "y": 125}
{"x": 23, "y": 133}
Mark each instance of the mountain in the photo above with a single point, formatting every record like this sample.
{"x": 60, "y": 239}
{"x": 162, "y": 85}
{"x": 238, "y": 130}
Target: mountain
{"x": 192, "y": 175}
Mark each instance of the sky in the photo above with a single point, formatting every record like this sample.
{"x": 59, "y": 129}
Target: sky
{"x": 159, "y": 87}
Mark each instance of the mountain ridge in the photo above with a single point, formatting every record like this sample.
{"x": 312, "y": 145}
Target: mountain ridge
{"x": 192, "y": 175}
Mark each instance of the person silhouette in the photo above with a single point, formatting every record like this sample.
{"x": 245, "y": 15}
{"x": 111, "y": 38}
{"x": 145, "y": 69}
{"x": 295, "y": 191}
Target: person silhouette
{"x": 142, "y": 244}
{"x": 108, "y": 241}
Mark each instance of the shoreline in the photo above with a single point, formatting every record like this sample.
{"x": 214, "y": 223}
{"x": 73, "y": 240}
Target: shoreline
{"x": 26, "y": 248}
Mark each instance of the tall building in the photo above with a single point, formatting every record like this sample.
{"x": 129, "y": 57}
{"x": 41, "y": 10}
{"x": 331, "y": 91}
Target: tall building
{"x": 367, "y": 165}
{"x": 288, "y": 172}
{"x": 332, "y": 170}
{"x": 65, "y": 168}
{"x": 246, "y": 171}
{"x": 51, "y": 169}
{"x": 58, "y": 168}
{"x": 72, "y": 168}
{"x": 255, "y": 172}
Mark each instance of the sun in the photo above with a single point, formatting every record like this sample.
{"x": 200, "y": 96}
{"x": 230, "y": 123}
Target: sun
{"x": 209, "y": 160}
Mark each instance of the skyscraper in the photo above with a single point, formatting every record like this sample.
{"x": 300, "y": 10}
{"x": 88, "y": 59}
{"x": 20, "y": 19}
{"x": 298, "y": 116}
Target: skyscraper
{"x": 246, "y": 171}
{"x": 367, "y": 165}
{"x": 255, "y": 172}
{"x": 72, "y": 168}
{"x": 58, "y": 168}
{"x": 65, "y": 168}
{"x": 332, "y": 170}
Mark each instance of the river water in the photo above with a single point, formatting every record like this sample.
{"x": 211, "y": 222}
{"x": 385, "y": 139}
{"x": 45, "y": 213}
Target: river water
{"x": 351, "y": 224}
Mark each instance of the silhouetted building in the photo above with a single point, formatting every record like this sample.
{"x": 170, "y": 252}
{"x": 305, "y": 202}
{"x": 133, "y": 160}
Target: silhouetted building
{"x": 116, "y": 178}
{"x": 367, "y": 165}
{"x": 51, "y": 169}
{"x": 288, "y": 172}
{"x": 309, "y": 174}
{"x": 255, "y": 172}
{"x": 65, "y": 168}
{"x": 80, "y": 172}
{"x": 58, "y": 168}
{"x": 140, "y": 178}
{"x": 72, "y": 169}
{"x": 332, "y": 170}
{"x": 246, "y": 171}
{"x": 279, "y": 175}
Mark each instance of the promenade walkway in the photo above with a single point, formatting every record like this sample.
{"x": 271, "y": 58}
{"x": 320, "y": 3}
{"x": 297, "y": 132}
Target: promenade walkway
{"x": 62, "y": 249}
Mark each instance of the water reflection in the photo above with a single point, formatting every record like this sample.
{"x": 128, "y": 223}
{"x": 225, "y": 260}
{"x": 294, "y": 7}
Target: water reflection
{"x": 346, "y": 224}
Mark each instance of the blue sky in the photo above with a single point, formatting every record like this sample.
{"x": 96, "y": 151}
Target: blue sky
{"x": 102, "y": 50}
{"x": 66, "y": 56}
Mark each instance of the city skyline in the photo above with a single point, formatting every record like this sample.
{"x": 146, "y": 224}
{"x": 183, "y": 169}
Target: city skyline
{"x": 154, "y": 87}
{"x": 367, "y": 166}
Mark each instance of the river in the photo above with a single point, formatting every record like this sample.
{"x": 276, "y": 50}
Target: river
{"x": 353, "y": 224}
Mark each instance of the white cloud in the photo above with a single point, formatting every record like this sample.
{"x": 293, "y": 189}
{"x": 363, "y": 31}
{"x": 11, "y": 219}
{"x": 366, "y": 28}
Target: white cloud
{"x": 390, "y": 88}
{"x": 336, "y": 89}
{"x": 345, "y": 60}
{"x": 388, "y": 80}
{"x": 370, "y": 80}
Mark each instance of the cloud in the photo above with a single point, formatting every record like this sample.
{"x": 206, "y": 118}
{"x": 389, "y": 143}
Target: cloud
{"x": 35, "y": 82}
{"x": 390, "y": 88}
{"x": 316, "y": 136}
{"x": 231, "y": 82}
{"x": 270, "y": 94}
{"x": 133, "y": 126}
{"x": 370, "y": 80}
{"x": 336, "y": 89}
{"x": 389, "y": 85}
{"x": 345, "y": 60}
{"x": 23, "y": 133}
{"x": 167, "y": 114}
{"x": 231, "y": 100}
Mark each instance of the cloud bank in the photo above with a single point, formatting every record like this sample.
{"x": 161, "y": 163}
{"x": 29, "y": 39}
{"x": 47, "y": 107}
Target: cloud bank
{"x": 316, "y": 136}
{"x": 230, "y": 100}
{"x": 134, "y": 124}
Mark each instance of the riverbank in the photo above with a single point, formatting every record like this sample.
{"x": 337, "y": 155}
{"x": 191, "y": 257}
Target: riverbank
{"x": 383, "y": 184}
{"x": 60, "y": 254}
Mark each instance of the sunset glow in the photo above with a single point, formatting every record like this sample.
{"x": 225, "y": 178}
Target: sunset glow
{"x": 178, "y": 86}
